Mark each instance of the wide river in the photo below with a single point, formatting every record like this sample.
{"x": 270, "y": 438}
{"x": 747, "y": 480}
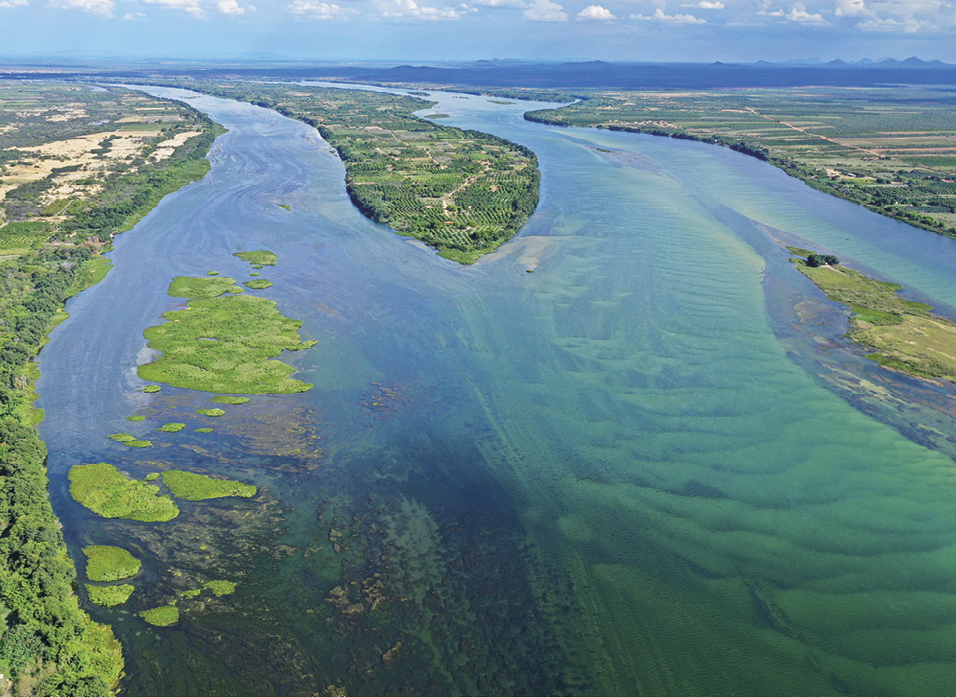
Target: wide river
{"x": 651, "y": 466}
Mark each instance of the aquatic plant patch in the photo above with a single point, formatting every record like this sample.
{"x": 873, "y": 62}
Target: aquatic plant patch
{"x": 122, "y": 437}
{"x": 203, "y": 430}
{"x": 210, "y": 412}
{"x": 171, "y": 428}
{"x": 259, "y": 258}
{"x": 161, "y": 616}
{"x": 109, "y": 596}
{"x": 242, "y": 334}
{"x": 106, "y": 563}
{"x": 151, "y": 389}
{"x": 258, "y": 284}
{"x": 229, "y": 399}
{"x": 221, "y": 588}
{"x": 199, "y": 287}
{"x": 107, "y": 492}
{"x": 136, "y": 417}
{"x": 198, "y": 487}
{"x": 137, "y": 443}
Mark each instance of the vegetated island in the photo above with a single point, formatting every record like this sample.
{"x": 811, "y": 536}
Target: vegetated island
{"x": 888, "y": 149}
{"x": 462, "y": 192}
{"x": 223, "y": 344}
{"x": 904, "y": 334}
{"x": 77, "y": 166}
{"x": 107, "y": 564}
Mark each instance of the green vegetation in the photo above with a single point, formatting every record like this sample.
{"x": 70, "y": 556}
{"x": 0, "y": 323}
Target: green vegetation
{"x": 462, "y": 192}
{"x": 138, "y": 443}
{"x": 105, "y": 491}
{"x": 190, "y": 593}
{"x": 152, "y": 389}
{"x": 205, "y": 429}
{"x": 199, "y": 287}
{"x": 221, "y": 588}
{"x": 198, "y": 487}
{"x": 905, "y": 336}
{"x": 171, "y": 428}
{"x": 104, "y": 563}
{"x": 152, "y": 476}
{"x": 163, "y": 616}
{"x": 122, "y": 437}
{"x": 888, "y": 149}
{"x": 211, "y": 412}
{"x": 259, "y": 258}
{"x": 109, "y": 596}
{"x": 229, "y": 399}
{"x": 212, "y": 273}
{"x": 224, "y": 345}
{"x": 136, "y": 417}
{"x": 258, "y": 284}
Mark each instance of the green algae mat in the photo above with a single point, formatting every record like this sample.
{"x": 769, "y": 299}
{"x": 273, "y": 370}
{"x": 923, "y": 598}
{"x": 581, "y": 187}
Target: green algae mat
{"x": 223, "y": 344}
{"x": 107, "y": 492}
{"x": 105, "y": 563}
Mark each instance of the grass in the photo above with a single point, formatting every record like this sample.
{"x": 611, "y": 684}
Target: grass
{"x": 105, "y": 491}
{"x": 136, "y": 417}
{"x": 109, "y": 596}
{"x": 240, "y": 335}
{"x": 198, "y": 487}
{"x": 203, "y": 430}
{"x": 104, "y": 563}
{"x": 211, "y": 412}
{"x": 200, "y": 287}
{"x": 191, "y": 593}
{"x": 92, "y": 272}
{"x": 229, "y": 399}
{"x": 152, "y": 476}
{"x": 904, "y": 334}
{"x": 122, "y": 437}
{"x": 151, "y": 389}
{"x": 138, "y": 443}
{"x": 259, "y": 258}
{"x": 258, "y": 284}
{"x": 171, "y": 428}
{"x": 163, "y": 616}
{"x": 221, "y": 588}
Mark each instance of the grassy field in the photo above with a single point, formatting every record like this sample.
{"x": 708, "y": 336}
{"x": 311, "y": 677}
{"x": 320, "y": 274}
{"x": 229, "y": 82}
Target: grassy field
{"x": 891, "y": 149}
{"x": 107, "y": 492}
{"x": 104, "y": 563}
{"x": 223, "y": 344}
{"x": 904, "y": 334}
{"x": 462, "y": 192}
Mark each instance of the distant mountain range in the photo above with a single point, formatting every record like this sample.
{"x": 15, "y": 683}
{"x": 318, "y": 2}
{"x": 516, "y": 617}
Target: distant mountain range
{"x": 573, "y": 75}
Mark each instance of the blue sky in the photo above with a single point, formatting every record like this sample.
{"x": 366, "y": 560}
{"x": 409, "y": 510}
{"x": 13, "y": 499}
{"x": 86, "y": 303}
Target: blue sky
{"x": 434, "y": 30}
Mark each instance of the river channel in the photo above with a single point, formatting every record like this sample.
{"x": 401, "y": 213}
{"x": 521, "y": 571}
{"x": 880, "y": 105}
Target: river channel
{"x": 628, "y": 453}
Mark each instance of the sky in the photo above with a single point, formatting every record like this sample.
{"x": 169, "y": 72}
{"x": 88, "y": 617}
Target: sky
{"x": 431, "y": 31}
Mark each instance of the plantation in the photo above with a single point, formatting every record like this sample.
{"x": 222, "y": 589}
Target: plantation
{"x": 462, "y": 192}
{"x": 109, "y": 596}
{"x": 223, "y": 344}
{"x": 107, "y": 492}
{"x": 105, "y": 563}
{"x": 198, "y": 487}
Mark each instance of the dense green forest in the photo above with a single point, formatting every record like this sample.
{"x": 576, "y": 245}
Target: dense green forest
{"x": 892, "y": 150}
{"x": 60, "y": 218}
{"x": 462, "y": 192}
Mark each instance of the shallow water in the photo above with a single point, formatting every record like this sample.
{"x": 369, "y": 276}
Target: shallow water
{"x": 649, "y": 467}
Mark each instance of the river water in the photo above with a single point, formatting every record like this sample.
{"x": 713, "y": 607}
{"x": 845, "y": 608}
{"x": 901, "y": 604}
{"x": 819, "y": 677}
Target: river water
{"x": 649, "y": 466}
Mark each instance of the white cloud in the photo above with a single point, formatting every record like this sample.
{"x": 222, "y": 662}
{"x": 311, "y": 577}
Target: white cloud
{"x": 852, "y": 8}
{"x": 233, "y": 8}
{"x": 14, "y": 3}
{"x": 319, "y": 10}
{"x": 909, "y": 25}
{"x": 409, "y": 8}
{"x": 708, "y": 5}
{"x": 134, "y": 16}
{"x": 193, "y": 7}
{"x": 798, "y": 13}
{"x": 104, "y": 8}
{"x": 659, "y": 16}
{"x": 545, "y": 11}
{"x": 595, "y": 12}
{"x": 519, "y": 4}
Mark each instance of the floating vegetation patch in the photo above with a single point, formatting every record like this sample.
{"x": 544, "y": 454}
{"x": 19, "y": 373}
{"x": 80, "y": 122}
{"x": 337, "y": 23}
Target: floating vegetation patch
{"x": 254, "y": 273}
{"x": 211, "y": 412}
{"x": 151, "y": 389}
{"x": 152, "y": 476}
{"x": 199, "y": 287}
{"x": 171, "y": 428}
{"x": 138, "y": 443}
{"x": 109, "y": 596}
{"x": 198, "y": 487}
{"x": 107, "y": 492}
{"x": 259, "y": 258}
{"x": 122, "y": 437}
{"x": 247, "y": 332}
{"x": 221, "y": 588}
{"x": 136, "y": 417}
{"x": 212, "y": 273}
{"x": 229, "y": 399}
{"x": 204, "y": 430}
{"x": 105, "y": 563}
{"x": 258, "y": 284}
{"x": 191, "y": 593}
{"x": 161, "y": 616}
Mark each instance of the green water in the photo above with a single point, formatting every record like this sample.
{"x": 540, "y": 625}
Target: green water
{"x": 631, "y": 471}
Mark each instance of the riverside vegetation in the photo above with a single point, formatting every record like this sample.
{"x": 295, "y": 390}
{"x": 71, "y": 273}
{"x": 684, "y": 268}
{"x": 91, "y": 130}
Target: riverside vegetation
{"x": 904, "y": 334}
{"x": 77, "y": 166}
{"x": 461, "y": 192}
{"x": 888, "y": 149}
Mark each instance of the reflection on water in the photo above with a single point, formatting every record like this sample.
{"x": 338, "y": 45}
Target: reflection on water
{"x": 651, "y": 466}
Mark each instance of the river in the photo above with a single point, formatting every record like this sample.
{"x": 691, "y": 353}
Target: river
{"x": 649, "y": 466}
